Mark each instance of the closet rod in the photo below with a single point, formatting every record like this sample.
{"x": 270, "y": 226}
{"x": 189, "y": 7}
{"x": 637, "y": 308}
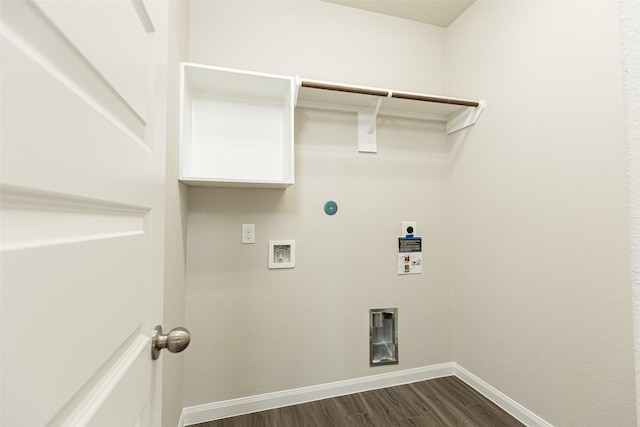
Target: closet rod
{"x": 340, "y": 88}
{"x": 437, "y": 99}
{"x": 385, "y": 93}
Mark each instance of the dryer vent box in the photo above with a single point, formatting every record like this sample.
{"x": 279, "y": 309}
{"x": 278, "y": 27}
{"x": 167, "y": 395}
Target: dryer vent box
{"x": 383, "y": 336}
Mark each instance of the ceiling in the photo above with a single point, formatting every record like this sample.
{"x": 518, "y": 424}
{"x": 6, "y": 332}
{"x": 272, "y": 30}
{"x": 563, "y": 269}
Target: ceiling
{"x": 434, "y": 12}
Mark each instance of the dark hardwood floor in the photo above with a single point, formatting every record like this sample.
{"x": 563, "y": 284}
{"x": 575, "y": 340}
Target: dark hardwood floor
{"x": 442, "y": 402}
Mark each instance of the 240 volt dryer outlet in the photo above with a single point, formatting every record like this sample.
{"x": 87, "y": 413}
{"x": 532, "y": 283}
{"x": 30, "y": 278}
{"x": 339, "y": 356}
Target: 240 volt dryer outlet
{"x": 409, "y": 228}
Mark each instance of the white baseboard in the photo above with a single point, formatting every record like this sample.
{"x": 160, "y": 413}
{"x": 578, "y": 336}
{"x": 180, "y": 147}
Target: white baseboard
{"x": 509, "y": 405}
{"x": 262, "y": 402}
{"x": 181, "y": 422}
{"x": 229, "y": 408}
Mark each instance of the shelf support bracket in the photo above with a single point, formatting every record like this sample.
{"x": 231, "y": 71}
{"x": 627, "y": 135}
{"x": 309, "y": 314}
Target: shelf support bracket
{"x": 367, "y": 130}
{"x": 374, "y": 119}
{"x": 465, "y": 118}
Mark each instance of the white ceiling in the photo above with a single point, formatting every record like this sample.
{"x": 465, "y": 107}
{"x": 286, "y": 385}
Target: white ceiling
{"x": 434, "y": 12}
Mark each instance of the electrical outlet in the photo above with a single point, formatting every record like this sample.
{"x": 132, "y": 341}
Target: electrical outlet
{"x": 248, "y": 233}
{"x": 409, "y": 228}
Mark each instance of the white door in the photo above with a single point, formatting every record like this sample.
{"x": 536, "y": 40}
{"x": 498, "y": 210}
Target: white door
{"x": 82, "y": 158}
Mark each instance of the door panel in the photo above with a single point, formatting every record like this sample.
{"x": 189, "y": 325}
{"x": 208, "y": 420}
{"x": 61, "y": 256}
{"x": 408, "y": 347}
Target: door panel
{"x": 89, "y": 26}
{"x": 82, "y": 178}
{"x": 56, "y": 96}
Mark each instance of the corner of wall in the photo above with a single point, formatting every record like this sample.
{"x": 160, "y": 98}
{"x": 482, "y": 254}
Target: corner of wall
{"x": 175, "y": 225}
{"x": 630, "y": 22}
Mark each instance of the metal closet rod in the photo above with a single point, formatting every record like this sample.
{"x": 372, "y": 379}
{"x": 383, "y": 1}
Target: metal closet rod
{"x": 385, "y": 93}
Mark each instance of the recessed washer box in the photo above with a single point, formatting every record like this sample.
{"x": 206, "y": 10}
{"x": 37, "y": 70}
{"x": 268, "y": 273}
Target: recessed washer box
{"x": 282, "y": 253}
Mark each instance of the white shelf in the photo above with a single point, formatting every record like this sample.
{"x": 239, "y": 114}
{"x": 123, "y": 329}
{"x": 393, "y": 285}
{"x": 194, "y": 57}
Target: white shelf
{"x": 457, "y": 113}
{"x": 236, "y": 128}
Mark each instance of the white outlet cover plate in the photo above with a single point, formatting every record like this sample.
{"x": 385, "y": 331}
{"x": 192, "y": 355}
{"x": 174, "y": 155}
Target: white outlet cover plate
{"x": 248, "y": 233}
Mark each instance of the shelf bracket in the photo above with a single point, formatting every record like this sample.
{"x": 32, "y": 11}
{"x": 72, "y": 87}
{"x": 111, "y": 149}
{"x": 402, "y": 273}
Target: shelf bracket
{"x": 374, "y": 119}
{"x": 367, "y": 130}
{"x": 465, "y": 118}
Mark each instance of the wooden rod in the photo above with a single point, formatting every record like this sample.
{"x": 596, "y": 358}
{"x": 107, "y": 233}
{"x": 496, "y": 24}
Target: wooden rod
{"x": 435, "y": 99}
{"x": 380, "y": 92}
{"x": 349, "y": 89}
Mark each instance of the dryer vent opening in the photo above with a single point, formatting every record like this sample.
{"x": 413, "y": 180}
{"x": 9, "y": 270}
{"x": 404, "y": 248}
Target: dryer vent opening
{"x": 383, "y": 336}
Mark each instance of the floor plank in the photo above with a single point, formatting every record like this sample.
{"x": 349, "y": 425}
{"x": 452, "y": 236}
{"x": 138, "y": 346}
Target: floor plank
{"x": 441, "y": 402}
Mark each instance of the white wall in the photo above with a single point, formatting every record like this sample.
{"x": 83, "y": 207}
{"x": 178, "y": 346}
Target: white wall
{"x": 319, "y": 41}
{"x": 257, "y": 330}
{"x": 536, "y": 210}
{"x": 630, "y": 28}
{"x": 542, "y": 298}
{"x": 175, "y": 219}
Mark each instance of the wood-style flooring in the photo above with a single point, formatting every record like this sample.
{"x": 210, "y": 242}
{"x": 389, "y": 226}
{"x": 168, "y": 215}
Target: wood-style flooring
{"x": 442, "y": 402}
